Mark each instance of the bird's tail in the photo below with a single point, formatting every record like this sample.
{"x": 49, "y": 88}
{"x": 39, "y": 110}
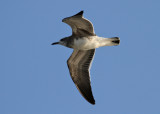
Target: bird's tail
{"x": 115, "y": 40}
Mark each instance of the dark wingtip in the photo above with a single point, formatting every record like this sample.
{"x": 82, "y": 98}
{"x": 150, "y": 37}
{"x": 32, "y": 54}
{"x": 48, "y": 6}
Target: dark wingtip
{"x": 90, "y": 99}
{"x": 92, "y": 102}
{"x": 79, "y": 14}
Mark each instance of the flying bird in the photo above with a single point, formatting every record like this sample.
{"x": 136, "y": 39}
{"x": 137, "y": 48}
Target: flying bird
{"x": 84, "y": 41}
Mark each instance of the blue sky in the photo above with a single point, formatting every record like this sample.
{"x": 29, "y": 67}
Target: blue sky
{"x": 34, "y": 78}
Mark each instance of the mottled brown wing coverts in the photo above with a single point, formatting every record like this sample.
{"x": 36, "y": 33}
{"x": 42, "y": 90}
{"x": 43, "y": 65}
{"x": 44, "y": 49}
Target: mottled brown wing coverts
{"x": 80, "y": 26}
{"x": 78, "y": 64}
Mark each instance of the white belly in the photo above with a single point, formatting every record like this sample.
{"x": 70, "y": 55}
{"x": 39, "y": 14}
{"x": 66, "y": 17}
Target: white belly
{"x": 86, "y": 43}
{"x": 93, "y": 42}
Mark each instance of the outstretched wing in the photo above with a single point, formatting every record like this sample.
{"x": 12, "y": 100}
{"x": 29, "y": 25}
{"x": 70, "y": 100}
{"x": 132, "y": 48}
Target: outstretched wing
{"x": 80, "y": 26}
{"x": 79, "y": 64}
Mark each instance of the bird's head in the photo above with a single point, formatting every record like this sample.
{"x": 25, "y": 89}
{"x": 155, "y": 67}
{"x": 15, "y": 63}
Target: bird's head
{"x": 61, "y": 42}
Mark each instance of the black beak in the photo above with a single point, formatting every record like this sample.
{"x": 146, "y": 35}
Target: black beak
{"x": 55, "y": 43}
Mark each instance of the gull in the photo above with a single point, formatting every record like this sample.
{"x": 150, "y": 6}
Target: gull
{"x": 83, "y": 41}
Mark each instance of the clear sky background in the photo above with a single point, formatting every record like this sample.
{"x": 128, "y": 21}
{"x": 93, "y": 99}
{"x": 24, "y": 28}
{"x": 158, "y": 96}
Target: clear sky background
{"x": 34, "y": 77}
